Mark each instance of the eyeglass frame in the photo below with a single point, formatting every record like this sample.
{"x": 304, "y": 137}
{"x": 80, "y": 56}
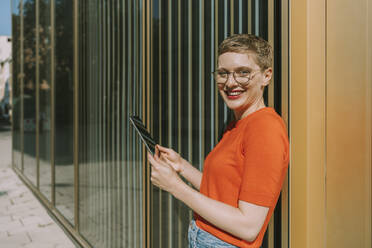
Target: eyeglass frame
{"x": 249, "y": 77}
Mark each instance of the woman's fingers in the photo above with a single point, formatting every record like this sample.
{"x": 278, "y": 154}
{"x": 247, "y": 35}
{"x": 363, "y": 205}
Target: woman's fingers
{"x": 157, "y": 162}
{"x": 157, "y": 151}
{"x": 168, "y": 153}
{"x": 150, "y": 158}
{"x": 154, "y": 169}
{"x": 162, "y": 156}
{"x": 158, "y": 154}
{"x": 171, "y": 163}
{"x": 153, "y": 160}
{"x": 163, "y": 149}
{"x": 163, "y": 173}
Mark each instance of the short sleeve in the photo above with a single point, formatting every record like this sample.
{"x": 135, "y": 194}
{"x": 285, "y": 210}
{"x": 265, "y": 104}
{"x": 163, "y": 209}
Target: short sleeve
{"x": 265, "y": 155}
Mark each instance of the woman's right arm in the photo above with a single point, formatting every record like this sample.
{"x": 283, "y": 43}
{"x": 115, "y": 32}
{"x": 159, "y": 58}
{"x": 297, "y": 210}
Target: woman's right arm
{"x": 181, "y": 165}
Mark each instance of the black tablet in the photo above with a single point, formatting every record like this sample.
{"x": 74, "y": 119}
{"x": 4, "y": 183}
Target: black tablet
{"x": 143, "y": 133}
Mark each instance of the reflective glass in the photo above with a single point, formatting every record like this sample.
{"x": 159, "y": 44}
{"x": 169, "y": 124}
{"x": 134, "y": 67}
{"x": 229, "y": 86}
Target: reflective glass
{"x": 29, "y": 90}
{"x": 110, "y": 157}
{"x": 64, "y": 89}
{"x": 188, "y": 113}
{"x": 45, "y": 47}
{"x": 16, "y": 87}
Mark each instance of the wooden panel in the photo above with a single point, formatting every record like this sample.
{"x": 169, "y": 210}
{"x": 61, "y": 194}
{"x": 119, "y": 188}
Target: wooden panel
{"x": 298, "y": 124}
{"x": 307, "y": 124}
{"x": 369, "y": 106}
{"x": 316, "y": 122}
{"x": 330, "y": 124}
{"x": 348, "y": 126}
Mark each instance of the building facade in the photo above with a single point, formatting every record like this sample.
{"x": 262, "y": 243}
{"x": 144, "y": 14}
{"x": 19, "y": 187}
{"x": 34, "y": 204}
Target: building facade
{"x": 5, "y": 83}
{"x": 81, "y": 68}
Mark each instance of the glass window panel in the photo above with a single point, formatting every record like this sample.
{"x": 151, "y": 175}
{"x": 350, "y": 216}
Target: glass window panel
{"x": 110, "y": 157}
{"x": 16, "y": 80}
{"x": 45, "y": 97}
{"x": 64, "y": 86}
{"x": 202, "y": 110}
{"x": 29, "y": 89}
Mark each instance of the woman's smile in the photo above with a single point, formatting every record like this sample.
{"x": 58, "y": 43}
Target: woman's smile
{"x": 234, "y": 94}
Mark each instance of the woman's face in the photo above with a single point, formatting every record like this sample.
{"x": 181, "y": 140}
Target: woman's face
{"x": 242, "y": 98}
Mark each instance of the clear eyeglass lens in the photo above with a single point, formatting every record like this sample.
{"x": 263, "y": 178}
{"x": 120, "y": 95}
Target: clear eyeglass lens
{"x": 242, "y": 80}
{"x": 241, "y": 77}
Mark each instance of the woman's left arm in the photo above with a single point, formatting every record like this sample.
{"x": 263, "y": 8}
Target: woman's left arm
{"x": 244, "y": 222}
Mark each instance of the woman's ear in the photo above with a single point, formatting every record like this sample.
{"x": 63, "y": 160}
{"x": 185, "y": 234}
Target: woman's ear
{"x": 267, "y": 74}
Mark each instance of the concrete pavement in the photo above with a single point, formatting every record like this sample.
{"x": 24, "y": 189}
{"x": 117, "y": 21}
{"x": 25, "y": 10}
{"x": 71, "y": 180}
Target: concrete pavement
{"x": 24, "y": 222}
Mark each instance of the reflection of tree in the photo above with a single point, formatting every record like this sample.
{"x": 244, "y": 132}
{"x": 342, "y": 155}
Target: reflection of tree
{"x": 63, "y": 67}
{"x": 29, "y": 44}
{"x": 16, "y": 78}
{"x": 64, "y": 61}
{"x": 44, "y": 50}
{"x": 16, "y": 52}
{"x": 64, "y": 81}
{"x": 44, "y": 59}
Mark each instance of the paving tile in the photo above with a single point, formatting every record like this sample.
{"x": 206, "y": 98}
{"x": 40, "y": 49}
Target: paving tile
{"x": 19, "y": 239}
{"x": 64, "y": 246}
{"x": 53, "y": 228}
{"x": 24, "y": 214}
{"x": 17, "y": 231}
{"x": 4, "y": 209}
{"x": 10, "y": 226}
{"x": 34, "y": 227}
{"x": 11, "y": 246}
{"x": 38, "y": 227}
{"x": 39, "y": 245}
{"x": 49, "y": 237}
{"x": 3, "y": 234}
{"x": 17, "y": 208}
{"x": 4, "y": 201}
{"x": 5, "y": 220}
{"x": 19, "y": 190}
{"x": 34, "y": 220}
{"x": 24, "y": 222}
{"x": 22, "y": 198}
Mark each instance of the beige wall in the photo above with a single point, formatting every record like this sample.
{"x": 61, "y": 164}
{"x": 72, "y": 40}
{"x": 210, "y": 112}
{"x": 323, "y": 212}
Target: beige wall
{"x": 330, "y": 120}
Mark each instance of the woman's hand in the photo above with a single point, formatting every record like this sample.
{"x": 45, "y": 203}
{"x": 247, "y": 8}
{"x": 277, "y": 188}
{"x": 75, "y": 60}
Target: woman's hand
{"x": 163, "y": 175}
{"x": 180, "y": 165}
{"x": 170, "y": 157}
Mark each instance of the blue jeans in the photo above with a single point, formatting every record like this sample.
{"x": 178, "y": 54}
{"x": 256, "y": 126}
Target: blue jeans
{"x": 199, "y": 238}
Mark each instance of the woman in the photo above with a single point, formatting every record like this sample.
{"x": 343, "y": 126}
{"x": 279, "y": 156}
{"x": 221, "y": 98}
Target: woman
{"x": 235, "y": 195}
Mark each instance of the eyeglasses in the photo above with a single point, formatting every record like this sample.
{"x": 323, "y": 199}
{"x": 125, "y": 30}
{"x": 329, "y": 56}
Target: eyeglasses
{"x": 241, "y": 77}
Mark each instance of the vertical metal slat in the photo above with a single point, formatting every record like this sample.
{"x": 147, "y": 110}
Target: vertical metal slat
{"x": 76, "y": 116}
{"x": 189, "y": 67}
{"x": 179, "y": 224}
{"x": 37, "y": 89}
{"x": 52, "y": 140}
{"x": 170, "y": 107}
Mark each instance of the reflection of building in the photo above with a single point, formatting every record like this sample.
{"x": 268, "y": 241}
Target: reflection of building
{"x": 5, "y": 80}
{"x": 93, "y": 63}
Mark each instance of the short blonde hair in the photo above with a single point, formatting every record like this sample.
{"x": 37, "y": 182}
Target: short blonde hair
{"x": 245, "y": 43}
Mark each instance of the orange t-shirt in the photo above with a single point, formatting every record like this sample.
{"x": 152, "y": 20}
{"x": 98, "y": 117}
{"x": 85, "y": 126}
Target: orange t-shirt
{"x": 248, "y": 164}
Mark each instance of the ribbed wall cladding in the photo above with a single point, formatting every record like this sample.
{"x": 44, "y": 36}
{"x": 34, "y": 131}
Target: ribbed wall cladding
{"x": 151, "y": 58}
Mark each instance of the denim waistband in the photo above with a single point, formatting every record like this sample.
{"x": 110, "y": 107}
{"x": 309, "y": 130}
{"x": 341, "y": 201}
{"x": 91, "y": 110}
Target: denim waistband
{"x": 199, "y": 238}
